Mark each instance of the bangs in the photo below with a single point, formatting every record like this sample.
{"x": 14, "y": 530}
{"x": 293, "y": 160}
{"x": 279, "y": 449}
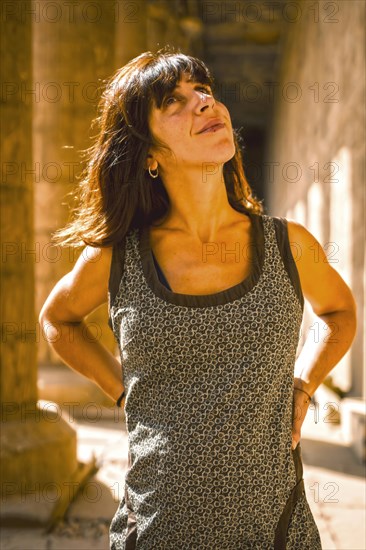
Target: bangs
{"x": 162, "y": 76}
{"x": 146, "y": 81}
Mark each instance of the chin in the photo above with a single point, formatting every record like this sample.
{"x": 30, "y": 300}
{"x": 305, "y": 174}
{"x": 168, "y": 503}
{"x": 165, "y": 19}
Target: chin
{"x": 222, "y": 153}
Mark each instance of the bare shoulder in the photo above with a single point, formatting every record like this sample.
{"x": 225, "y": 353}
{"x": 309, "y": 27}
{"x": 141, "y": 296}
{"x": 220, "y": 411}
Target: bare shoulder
{"x": 97, "y": 259}
{"x": 299, "y": 234}
{"x": 92, "y": 269}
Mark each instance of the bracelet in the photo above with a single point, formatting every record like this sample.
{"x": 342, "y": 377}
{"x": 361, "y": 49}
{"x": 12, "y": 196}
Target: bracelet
{"x": 119, "y": 400}
{"x": 309, "y": 396}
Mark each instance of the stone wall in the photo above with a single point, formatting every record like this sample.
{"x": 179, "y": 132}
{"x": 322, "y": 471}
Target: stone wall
{"x": 316, "y": 148}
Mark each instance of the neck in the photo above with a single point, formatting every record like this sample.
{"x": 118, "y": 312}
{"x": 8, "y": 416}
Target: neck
{"x": 199, "y": 204}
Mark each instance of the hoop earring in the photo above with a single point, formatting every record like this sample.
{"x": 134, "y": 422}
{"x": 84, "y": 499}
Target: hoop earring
{"x": 154, "y": 175}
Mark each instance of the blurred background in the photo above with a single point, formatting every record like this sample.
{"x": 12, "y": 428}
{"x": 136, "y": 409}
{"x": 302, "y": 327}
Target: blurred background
{"x": 292, "y": 75}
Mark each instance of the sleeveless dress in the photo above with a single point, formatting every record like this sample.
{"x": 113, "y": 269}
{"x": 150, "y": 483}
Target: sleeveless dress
{"x": 209, "y": 388}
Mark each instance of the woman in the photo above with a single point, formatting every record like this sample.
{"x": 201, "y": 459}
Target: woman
{"x": 206, "y": 304}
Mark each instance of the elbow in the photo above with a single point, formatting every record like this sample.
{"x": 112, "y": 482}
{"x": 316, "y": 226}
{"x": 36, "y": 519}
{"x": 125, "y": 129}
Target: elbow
{"x": 42, "y": 316}
{"x": 343, "y": 317}
{"x": 353, "y": 313}
{"x": 45, "y": 324}
{"x": 47, "y": 319}
{"x": 349, "y": 319}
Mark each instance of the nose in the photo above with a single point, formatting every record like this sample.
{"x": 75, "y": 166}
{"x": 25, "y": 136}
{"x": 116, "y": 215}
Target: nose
{"x": 204, "y": 101}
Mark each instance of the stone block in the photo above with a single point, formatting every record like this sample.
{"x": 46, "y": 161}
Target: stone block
{"x": 38, "y": 449}
{"x": 353, "y": 420}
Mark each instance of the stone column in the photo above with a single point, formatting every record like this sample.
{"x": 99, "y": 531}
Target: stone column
{"x": 73, "y": 53}
{"x": 37, "y": 447}
{"x": 130, "y": 29}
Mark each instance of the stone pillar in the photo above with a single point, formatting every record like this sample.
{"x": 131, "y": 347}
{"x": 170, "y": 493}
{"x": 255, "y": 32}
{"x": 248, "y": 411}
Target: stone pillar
{"x": 34, "y": 450}
{"x": 73, "y": 53}
{"x": 130, "y": 29}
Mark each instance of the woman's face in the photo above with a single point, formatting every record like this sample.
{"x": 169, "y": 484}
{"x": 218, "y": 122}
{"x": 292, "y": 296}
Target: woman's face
{"x": 179, "y": 123}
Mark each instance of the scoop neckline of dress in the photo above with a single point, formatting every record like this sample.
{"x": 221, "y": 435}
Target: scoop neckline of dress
{"x": 202, "y": 300}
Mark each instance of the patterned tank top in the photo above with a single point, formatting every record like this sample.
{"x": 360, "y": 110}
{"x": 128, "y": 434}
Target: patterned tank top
{"x": 209, "y": 387}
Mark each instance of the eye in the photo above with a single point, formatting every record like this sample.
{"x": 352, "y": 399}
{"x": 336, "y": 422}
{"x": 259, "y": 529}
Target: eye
{"x": 167, "y": 100}
{"x": 206, "y": 89}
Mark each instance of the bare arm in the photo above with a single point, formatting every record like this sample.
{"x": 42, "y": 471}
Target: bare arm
{"x": 76, "y": 295}
{"x": 332, "y": 301}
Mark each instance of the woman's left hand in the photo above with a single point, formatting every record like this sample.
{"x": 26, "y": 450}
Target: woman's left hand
{"x": 300, "y": 405}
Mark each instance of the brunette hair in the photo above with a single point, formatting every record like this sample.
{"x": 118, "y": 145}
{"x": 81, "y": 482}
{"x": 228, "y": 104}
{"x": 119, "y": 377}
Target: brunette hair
{"x": 115, "y": 192}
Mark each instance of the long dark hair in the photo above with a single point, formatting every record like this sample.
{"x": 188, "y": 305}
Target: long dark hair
{"x": 115, "y": 192}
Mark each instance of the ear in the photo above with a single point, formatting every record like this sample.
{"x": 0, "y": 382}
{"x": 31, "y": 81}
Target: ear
{"x": 150, "y": 162}
{"x": 147, "y": 161}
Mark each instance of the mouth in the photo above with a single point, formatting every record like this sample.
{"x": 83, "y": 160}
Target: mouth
{"x": 213, "y": 128}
